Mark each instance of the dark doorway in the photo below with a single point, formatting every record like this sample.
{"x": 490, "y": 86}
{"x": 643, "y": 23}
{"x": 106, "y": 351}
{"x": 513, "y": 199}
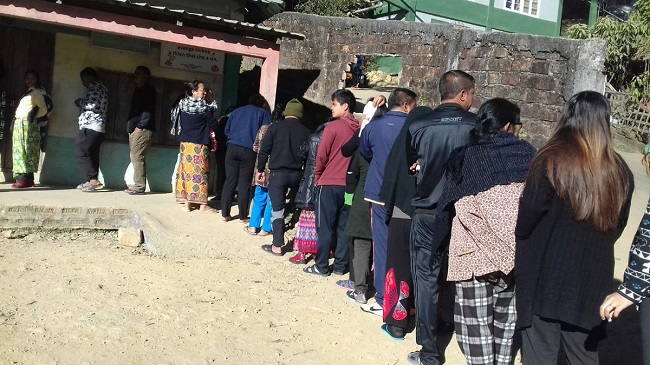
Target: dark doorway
{"x": 20, "y": 50}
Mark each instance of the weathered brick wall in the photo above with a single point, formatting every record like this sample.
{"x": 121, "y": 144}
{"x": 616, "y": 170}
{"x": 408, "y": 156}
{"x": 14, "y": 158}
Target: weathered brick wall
{"x": 539, "y": 73}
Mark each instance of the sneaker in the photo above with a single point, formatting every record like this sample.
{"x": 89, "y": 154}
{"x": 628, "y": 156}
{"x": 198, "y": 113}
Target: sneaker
{"x": 298, "y": 259}
{"x": 345, "y": 284}
{"x": 357, "y": 296}
{"x": 413, "y": 358}
{"x": 375, "y": 309}
{"x": 394, "y": 332}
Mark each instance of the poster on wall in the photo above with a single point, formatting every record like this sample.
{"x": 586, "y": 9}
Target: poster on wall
{"x": 192, "y": 58}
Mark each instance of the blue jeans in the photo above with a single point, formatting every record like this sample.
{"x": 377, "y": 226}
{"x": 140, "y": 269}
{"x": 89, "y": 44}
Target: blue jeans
{"x": 261, "y": 205}
{"x": 380, "y": 248}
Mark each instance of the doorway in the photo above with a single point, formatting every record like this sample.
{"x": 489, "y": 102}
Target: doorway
{"x": 20, "y": 50}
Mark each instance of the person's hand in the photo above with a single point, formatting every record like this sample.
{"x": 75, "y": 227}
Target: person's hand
{"x": 378, "y": 101}
{"x": 613, "y": 305}
{"x": 259, "y": 176}
{"x": 138, "y": 129}
{"x": 415, "y": 167}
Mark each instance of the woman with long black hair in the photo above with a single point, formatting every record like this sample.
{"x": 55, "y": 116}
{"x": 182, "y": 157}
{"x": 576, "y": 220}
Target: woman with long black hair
{"x": 574, "y": 207}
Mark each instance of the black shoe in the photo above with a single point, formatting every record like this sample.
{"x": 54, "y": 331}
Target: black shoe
{"x": 339, "y": 273}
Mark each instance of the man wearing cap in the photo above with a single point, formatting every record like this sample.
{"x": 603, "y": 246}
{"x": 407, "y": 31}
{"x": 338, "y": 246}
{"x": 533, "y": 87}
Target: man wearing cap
{"x": 141, "y": 126}
{"x": 282, "y": 145}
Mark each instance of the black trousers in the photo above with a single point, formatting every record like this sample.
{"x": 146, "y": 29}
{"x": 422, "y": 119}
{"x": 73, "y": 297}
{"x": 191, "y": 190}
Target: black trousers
{"x": 220, "y": 168}
{"x": 398, "y": 274}
{"x": 331, "y": 218}
{"x": 88, "y": 143}
{"x": 645, "y": 330}
{"x": 361, "y": 264}
{"x": 425, "y": 267}
{"x": 240, "y": 163}
{"x": 279, "y": 185}
{"x": 541, "y": 343}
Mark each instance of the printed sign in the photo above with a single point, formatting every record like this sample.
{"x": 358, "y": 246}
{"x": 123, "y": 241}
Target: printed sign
{"x": 192, "y": 58}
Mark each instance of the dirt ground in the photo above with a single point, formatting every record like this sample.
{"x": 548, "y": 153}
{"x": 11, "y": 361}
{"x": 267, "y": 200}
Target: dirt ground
{"x": 209, "y": 295}
{"x": 79, "y": 298}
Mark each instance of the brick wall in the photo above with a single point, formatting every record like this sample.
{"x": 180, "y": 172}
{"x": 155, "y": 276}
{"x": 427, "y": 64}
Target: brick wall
{"x": 538, "y": 73}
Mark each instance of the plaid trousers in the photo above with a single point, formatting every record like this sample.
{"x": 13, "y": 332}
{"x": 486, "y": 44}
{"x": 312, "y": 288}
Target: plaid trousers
{"x": 485, "y": 316}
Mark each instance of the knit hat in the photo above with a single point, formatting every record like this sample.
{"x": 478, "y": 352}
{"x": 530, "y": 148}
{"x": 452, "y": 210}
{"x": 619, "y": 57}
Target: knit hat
{"x": 293, "y": 108}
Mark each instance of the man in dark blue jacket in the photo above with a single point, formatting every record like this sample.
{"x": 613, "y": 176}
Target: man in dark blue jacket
{"x": 376, "y": 141}
{"x": 241, "y": 130}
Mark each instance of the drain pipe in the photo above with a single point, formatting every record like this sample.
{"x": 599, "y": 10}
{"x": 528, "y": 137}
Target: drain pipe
{"x": 372, "y": 7}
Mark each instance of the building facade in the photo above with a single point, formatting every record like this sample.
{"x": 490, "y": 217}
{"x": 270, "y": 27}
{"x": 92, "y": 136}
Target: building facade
{"x": 540, "y": 17}
{"x": 203, "y": 40}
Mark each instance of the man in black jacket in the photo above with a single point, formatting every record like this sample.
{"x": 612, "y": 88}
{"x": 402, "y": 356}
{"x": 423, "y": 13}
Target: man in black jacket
{"x": 281, "y": 147}
{"x": 430, "y": 139}
{"x": 141, "y": 126}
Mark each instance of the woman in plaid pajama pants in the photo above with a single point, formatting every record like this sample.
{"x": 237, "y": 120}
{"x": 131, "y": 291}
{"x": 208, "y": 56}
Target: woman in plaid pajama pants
{"x": 484, "y": 182}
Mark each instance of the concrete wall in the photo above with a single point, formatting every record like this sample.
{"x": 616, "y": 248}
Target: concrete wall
{"x": 72, "y": 54}
{"x": 538, "y": 73}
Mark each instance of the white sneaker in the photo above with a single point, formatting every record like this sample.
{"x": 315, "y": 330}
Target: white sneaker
{"x": 375, "y": 309}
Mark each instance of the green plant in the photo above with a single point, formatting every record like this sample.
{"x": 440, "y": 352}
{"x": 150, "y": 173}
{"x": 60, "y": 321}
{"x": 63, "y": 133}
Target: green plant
{"x": 628, "y": 48}
{"x": 330, "y": 7}
{"x": 371, "y": 65}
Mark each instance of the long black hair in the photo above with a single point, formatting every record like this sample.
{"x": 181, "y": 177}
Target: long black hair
{"x": 580, "y": 162}
{"x": 492, "y": 117}
{"x": 192, "y": 86}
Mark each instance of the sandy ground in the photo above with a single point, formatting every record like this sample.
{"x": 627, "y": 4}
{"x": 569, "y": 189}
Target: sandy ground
{"x": 81, "y": 299}
{"x": 209, "y": 295}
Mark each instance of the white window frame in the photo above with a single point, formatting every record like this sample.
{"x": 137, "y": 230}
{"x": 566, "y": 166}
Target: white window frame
{"x": 518, "y": 6}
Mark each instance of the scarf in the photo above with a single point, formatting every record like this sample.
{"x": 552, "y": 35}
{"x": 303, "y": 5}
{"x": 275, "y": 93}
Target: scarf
{"x": 473, "y": 169}
{"x": 191, "y": 105}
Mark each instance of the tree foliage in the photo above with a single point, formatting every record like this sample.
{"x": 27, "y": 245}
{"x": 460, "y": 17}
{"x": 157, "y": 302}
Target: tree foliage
{"x": 628, "y": 48}
{"x": 330, "y": 7}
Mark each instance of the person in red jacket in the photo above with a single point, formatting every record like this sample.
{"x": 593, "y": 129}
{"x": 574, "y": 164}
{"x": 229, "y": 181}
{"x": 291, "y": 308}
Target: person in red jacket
{"x": 331, "y": 171}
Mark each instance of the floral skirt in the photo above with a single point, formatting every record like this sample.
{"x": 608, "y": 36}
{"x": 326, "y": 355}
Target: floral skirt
{"x": 306, "y": 240}
{"x": 192, "y": 174}
{"x": 26, "y": 147}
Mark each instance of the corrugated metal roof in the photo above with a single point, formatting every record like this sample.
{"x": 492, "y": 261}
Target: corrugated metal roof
{"x": 279, "y": 2}
{"x": 198, "y": 20}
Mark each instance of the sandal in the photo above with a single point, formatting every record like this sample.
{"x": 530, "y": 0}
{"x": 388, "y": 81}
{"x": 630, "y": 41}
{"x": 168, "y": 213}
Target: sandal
{"x": 269, "y": 249}
{"x": 263, "y": 233}
{"x": 248, "y": 230}
{"x": 88, "y": 188}
{"x": 226, "y": 218}
{"x": 208, "y": 211}
{"x": 314, "y": 271}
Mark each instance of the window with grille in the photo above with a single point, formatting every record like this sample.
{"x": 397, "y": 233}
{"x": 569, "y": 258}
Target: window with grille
{"x": 528, "y": 7}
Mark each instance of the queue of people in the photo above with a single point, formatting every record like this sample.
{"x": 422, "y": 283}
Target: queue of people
{"x": 526, "y": 237}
